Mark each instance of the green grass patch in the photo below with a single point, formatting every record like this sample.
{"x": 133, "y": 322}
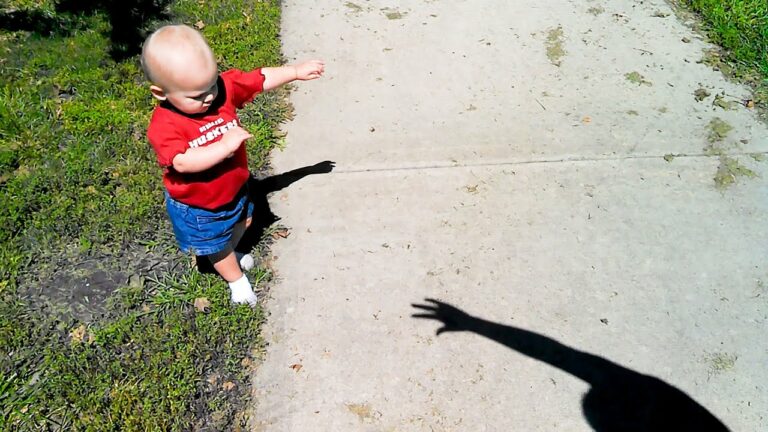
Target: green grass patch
{"x": 82, "y": 197}
{"x": 740, "y": 27}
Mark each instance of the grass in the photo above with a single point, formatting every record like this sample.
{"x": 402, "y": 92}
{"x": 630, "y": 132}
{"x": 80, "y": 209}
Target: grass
{"x": 740, "y": 27}
{"x": 635, "y": 78}
{"x": 728, "y": 171}
{"x": 79, "y": 182}
{"x": 554, "y": 45}
{"x": 720, "y": 362}
{"x": 717, "y": 130}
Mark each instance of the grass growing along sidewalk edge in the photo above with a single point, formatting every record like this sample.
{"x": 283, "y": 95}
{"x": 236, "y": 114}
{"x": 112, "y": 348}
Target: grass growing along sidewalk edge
{"x": 82, "y": 212}
{"x": 740, "y": 28}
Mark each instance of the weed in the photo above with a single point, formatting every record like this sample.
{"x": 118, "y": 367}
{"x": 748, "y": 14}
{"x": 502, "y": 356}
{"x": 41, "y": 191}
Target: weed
{"x": 728, "y": 171}
{"x": 636, "y": 78}
{"x": 727, "y": 105}
{"x": 717, "y": 130}
{"x": 596, "y": 10}
{"x": 700, "y": 94}
{"x": 721, "y": 362}
{"x": 554, "y": 45}
{"x": 354, "y": 8}
{"x": 393, "y": 14}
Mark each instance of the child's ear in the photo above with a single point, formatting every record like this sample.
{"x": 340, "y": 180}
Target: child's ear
{"x": 158, "y": 93}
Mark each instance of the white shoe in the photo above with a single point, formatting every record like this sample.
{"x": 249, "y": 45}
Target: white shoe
{"x": 246, "y": 261}
{"x": 241, "y": 292}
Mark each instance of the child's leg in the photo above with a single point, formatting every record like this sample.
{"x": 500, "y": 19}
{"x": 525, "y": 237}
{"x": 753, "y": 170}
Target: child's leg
{"x": 226, "y": 264}
{"x": 239, "y": 230}
{"x": 245, "y": 259}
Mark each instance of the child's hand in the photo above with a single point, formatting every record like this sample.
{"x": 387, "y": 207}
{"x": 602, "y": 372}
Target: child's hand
{"x": 310, "y": 70}
{"x": 233, "y": 138}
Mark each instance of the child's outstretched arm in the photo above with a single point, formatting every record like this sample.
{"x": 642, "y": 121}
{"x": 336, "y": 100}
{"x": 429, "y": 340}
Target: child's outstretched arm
{"x": 274, "y": 77}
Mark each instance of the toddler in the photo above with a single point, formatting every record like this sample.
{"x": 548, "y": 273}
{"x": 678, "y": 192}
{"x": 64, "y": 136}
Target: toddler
{"x": 199, "y": 142}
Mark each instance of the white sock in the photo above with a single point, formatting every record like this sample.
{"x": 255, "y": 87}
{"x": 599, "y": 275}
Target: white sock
{"x": 245, "y": 260}
{"x": 241, "y": 291}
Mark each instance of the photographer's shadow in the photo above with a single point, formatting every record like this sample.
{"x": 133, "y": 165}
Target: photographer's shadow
{"x": 619, "y": 399}
{"x": 129, "y": 21}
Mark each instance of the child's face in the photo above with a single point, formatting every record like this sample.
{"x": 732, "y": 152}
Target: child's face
{"x": 193, "y": 93}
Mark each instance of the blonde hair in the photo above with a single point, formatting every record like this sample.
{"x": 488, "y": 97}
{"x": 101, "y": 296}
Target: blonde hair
{"x": 170, "y": 45}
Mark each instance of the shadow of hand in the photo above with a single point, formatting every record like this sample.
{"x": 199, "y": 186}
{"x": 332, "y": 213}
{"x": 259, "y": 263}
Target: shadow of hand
{"x": 452, "y": 318}
{"x": 323, "y": 167}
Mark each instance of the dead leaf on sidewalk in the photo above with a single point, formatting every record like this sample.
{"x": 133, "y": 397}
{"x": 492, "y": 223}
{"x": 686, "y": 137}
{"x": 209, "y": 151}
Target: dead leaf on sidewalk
{"x": 364, "y": 412}
{"x": 721, "y": 102}
{"x": 202, "y": 304}
{"x": 296, "y": 367}
{"x": 200, "y": 25}
{"x": 281, "y": 233}
{"x": 393, "y": 14}
{"x": 701, "y": 94}
{"x": 586, "y": 120}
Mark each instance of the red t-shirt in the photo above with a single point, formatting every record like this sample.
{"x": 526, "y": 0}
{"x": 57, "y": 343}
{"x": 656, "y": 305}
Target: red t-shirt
{"x": 172, "y": 132}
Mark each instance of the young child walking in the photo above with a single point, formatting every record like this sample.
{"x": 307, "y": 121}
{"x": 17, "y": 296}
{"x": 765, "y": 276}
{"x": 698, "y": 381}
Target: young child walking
{"x": 199, "y": 143}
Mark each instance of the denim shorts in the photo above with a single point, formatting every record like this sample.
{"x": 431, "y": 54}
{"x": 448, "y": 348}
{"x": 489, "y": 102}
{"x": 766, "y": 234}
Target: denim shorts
{"x": 206, "y": 232}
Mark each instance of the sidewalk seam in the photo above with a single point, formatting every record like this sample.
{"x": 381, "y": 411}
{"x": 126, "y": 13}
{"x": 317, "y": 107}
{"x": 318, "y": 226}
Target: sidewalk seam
{"x": 545, "y": 161}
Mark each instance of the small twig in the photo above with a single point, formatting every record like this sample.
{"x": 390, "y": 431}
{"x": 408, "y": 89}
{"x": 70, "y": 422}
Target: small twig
{"x": 540, "y": 104}
{"x": 644, "y": 51}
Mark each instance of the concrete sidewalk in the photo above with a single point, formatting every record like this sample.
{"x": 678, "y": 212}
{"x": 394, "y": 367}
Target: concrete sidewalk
{"x": 569, "y": 196}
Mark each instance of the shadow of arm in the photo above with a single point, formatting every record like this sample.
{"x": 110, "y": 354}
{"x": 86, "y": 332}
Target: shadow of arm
{"x": 281, "y": 181}
{"x": 585, "y": 366}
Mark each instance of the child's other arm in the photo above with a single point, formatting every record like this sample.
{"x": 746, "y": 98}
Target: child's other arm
{"x": 274, "y": 77}
{"x": 202, "y": 158}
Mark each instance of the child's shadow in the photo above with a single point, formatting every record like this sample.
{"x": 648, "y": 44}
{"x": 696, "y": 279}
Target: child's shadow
{"x": 619, "y": 399}
{"x": 263, "y": 218}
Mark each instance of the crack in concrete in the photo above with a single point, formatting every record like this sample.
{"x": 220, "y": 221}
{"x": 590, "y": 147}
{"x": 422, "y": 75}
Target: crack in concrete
{"x": 546, "y": 161}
